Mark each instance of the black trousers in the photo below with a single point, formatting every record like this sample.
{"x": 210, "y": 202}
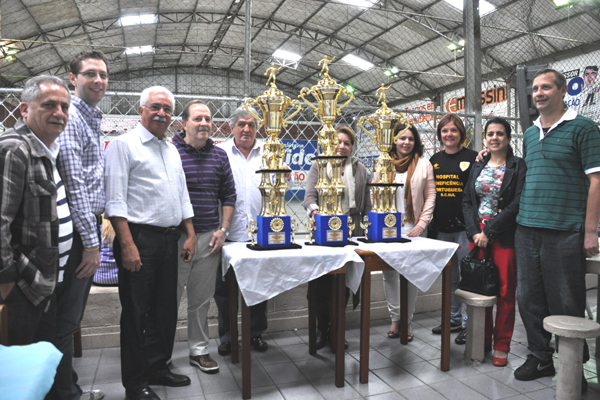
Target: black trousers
{"x": 149, "y": 302}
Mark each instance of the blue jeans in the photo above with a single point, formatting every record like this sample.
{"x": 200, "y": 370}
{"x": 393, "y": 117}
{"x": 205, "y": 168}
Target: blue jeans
{"x": 71, "y": 296}
{"x": 455, "y": 305}
{"x": 550, "y": 281}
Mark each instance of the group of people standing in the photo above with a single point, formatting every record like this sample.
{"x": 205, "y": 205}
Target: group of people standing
{"x": 174, "y": 204}
{"x": 537, "y": 216}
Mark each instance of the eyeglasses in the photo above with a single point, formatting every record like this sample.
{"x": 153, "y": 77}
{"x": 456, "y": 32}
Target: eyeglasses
{"x": 157, "y": 108}
{"x": 92, "y": 74}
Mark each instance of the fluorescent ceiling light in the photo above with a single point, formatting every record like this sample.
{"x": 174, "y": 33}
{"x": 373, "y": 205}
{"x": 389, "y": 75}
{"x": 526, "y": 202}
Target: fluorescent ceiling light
{"x": 358, "y": 62}
{"x": 138, "y": 19}
{"x": 287, "y": 55}
{"x": 561, "y": 3}
{"x": 359, "y": 3}
{"x": 139, "y": 50}
{"x": 485, "y": 7}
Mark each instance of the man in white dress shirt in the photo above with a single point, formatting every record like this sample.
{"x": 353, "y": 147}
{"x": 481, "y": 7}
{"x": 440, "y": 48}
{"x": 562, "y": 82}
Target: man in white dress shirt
{"x": 147, "y": 201}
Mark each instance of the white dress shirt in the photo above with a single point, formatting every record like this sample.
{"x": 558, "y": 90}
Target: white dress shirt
{"x": 144, "y": 180}
{"x": 249, "y": 201}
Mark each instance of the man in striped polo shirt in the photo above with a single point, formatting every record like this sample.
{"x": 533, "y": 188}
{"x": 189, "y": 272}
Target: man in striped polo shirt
{"x": 29, "y": 220}
{"x": 558, "y": 218}
{"x": 210, "y": 182}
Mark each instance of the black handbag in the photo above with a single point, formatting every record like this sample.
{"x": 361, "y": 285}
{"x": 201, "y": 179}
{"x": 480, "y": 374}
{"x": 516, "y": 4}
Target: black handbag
{"x": 479, "y": 275}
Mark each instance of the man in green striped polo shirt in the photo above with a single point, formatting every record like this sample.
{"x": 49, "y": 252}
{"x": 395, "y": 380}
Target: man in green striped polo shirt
{"x": 558, "y": 218}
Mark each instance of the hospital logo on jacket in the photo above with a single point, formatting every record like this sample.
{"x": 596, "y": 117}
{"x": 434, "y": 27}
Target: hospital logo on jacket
{"x": 464, "y": 165}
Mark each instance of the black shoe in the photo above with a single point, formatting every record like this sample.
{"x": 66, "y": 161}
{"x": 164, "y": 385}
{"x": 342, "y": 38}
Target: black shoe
{"x": 535, "y": 368}
{"x": 224, "y": 348}
{"x": 584, "y": 384}
{"x": 258, "y": 344}
{"x": 169, "y": 379}
{"x": 144, "y": 393}
{"x": 322, "y": 339}
{"x": 454, "y": 327}
{"x": 462, "y": 337}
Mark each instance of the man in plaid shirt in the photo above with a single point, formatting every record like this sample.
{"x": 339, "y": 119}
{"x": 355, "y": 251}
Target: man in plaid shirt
{"x": 29, "y": 223}
{"x": 81, "y": 164}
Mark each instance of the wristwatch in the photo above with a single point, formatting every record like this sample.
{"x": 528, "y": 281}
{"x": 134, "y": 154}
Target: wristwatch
{"x": 225, "y": 231}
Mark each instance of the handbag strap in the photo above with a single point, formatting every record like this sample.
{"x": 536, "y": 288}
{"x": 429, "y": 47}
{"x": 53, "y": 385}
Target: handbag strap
{"x": 486, "y": 256}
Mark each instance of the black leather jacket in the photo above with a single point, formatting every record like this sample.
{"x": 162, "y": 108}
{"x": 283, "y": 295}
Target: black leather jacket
{"x": 504, "y": 224}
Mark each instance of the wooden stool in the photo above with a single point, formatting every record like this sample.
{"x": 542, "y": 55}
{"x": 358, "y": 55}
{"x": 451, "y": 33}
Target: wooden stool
{"x": 476, "y": 305}
{"x": 572, "y": 331}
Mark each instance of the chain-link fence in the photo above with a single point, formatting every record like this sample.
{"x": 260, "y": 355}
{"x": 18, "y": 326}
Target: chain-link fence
{"x": 299, "y": 136}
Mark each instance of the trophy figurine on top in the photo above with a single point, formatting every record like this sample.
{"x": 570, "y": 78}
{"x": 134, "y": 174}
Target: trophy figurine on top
{"x": 273, "y": 225}
{"x": 385, "y": 220}
{"x": 331, "y": 222}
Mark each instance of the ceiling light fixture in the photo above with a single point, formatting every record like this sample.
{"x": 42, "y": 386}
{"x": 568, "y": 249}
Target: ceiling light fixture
{"x": 563, "y": 3}
{"x": 453, "y": 46}
{"x": 360, "y": 3}
{"x": 287, "y": 55}
{"x": 138, "y": 19}
{"x": 139, "y": 50}
{"x": 350, "y": 88}
{"x": 485, "y": 7}
{"x": 358, "y": 62}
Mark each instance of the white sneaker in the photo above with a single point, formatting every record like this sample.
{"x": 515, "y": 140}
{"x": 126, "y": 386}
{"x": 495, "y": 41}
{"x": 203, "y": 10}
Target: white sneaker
{"x": 95, "y": 394}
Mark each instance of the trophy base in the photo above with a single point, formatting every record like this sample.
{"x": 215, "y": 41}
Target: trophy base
{"x": 325, "y": 234}
{"x": 385, "y": 227}
{"x": 267, "y": 237}
{"x": 349, "y": 243}
{"x": 256, "y": 247}
{"x": 401, "y": 240}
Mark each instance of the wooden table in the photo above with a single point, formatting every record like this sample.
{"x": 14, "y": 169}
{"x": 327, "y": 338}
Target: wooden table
{"x": 256, "y": 276}
{"x": 374, "y": 263}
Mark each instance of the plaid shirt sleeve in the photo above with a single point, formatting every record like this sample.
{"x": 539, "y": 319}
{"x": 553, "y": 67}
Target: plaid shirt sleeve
{"x": 70, "y": 164}
{"x": 14, "y": 171}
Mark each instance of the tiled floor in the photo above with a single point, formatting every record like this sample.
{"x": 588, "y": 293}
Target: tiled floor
{"x": 287, "y": 371}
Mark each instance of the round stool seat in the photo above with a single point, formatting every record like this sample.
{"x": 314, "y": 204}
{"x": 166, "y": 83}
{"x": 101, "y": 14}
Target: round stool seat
{"x": 571, "y": 327}
{"x": 474, "y": 299}
{"x": 592, "y": 265}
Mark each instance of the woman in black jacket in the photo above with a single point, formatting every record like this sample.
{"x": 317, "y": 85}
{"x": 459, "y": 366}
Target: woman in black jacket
{"x": 490, "y": 208}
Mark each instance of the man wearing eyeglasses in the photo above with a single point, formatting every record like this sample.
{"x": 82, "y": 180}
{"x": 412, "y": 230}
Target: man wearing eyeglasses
{"x": 81, "y": 164}
{"x": 558, "y": 218}
{"x": 147, "y": 201}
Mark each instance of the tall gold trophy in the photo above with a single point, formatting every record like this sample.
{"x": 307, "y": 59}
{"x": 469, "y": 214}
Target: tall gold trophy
{"x": 274, "y": 226}
{"x": 331, "y": 222}
{"x": 385, "y": 219}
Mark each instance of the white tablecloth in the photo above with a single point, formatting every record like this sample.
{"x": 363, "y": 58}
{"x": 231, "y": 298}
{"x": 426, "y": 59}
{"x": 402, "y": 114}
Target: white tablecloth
{"x": 262, "y": 275}
{"x": 421, "y": 261}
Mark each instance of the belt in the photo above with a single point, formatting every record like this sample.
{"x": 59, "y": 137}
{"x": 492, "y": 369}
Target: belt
{"x": 160, "y": 229}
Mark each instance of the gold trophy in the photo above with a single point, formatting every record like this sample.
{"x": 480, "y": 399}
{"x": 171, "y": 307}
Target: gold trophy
{"x": 327, "y": 93}
{"x": 273, "y": 223}
{"x": 385, "y": 218}
{"x": 251, "y": 229}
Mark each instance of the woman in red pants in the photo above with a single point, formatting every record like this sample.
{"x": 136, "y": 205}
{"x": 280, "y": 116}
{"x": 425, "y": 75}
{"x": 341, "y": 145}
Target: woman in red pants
{"x": 490, "y": 207}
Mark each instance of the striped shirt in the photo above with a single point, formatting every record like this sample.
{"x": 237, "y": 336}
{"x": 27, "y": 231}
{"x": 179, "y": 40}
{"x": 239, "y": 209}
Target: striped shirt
{"x": 65, "y": 229}
{"x": 556, "y": 186}
{"x": 209, "y": 180}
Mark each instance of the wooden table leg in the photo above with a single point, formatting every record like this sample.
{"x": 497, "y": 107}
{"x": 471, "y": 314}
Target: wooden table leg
{"x": 312, "y": 319}
{"x": 233, "y": 312}
{"x": 365, "y": 325}
{"x": 403, "y": 310}
{"x": 446, "y": 289}
{"x": 334, "y": 314}
{"x": 340, "y": 280}
{"x": 77, "y": 347}
{"x": 246, "y": 373}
